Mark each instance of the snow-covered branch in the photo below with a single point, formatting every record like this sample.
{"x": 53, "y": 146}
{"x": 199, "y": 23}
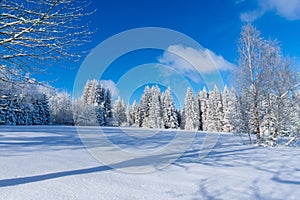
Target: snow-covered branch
{"x": 35, "y": 31}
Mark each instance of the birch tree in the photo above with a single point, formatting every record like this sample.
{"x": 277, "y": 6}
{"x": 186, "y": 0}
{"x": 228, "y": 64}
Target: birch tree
{"x": 268, "y": 82}
{"x": 250, "y": 76}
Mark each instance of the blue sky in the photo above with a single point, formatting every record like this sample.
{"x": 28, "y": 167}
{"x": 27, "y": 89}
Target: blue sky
{"x": 214, "y": 24}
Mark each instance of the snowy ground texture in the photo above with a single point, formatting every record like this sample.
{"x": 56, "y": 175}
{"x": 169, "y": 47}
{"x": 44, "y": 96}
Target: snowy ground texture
{"x": 52, "y": 163}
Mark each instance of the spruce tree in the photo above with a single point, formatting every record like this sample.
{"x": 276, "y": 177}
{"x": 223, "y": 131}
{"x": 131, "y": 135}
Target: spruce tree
{"x": 136, "y": 115}
{"x": 170, "y": 117}
{"x": 191, "y": 118}
{"x": 108, "y": 109}
{"x": 145, "y": 107}
{"x": 119, "y": 112}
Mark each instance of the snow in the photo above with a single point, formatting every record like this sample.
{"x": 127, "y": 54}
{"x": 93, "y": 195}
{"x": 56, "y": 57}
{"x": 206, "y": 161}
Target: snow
{"x": 51, "y": 162}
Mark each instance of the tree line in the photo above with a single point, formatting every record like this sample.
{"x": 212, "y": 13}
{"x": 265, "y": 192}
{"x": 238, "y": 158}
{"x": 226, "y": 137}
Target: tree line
{"x": 266, "y": 102}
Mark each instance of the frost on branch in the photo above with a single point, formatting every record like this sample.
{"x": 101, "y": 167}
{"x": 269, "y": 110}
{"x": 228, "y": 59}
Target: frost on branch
{"x": 35, "y": 31}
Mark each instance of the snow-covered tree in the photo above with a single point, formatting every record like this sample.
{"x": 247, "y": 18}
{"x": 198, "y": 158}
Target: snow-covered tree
{"x": 99, "y": 104}
{"x": 190, "y": 111}
{"x": 234, "y": 113}
{"x": 119, "y": 112}
{"x": 61, "y": 108}
{"x": 214, "y": 111}
{"x": 84, "y": 114}
{"x": 294, "y": 116}
{"x": 170, "y": 117}
{"x": 155, "y": 109}
{"x": 203, "y": 100}
{"x": 91, "y": 99}
{"x": 136, "y": 115}
{"x": 8, "y": 110}
{"x": 40, "y": 113}
{"x": 90, "y": 92}
{"x": 226, "y": 124}
{"x": 145, "y": 107}
{"x": 129, "y": 116}
{"x": 3, "y": 103}
{"x": 250, "y": 73}
{"x": 108, "y": 108}
{"x": 181, "y": 118}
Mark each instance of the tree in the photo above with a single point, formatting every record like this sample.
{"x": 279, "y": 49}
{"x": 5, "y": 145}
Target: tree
{"x": 99, "y": 104}
{"x": 61, "y": 108}
{"x": 250, "y": 74}
{"x": 3, "y": 103}
{"x": 280, "y": 85}
{"x": 92, "y": 95}
{"x": 226, "y": 124}
{"x": 145, "y": 107}
{"x": 155, "y": 109}
{"x": 203, "y": 100}
{"x": 84, "y": 114}
{"x": 170, "y": 117}
{"x": 129, "y": 116}
{"x": 108, "y": 109}
{"x": 234, "y": 113}
{"x": 267, "y": 82}
{"x": 190, "y": 111}
{"x": 119, "y": 112}
{"x": 91, "y": 92}
{"x": 33, "y": 32}
{"x": 136, "y": 114}
{"x": 41, "y": 112}
{"x": 295, "y": 114}
{"x": 214, "y": 111}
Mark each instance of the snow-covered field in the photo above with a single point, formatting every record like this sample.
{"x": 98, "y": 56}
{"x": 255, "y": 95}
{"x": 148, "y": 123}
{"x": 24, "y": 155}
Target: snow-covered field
{"x": 51, "y": 162}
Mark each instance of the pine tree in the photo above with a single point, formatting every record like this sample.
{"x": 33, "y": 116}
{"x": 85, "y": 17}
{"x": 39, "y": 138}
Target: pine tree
{"x": 108, "y": 109}
{"x": 129, "y": 116}
{"x": 2, "y": 109}
{"x": 40, "y": 114}
{"x": 145, "y": 107}
{"x": 226, "y": 123}
{"x": 170, "y": 117}
{"x": 100, "y": 104}
{"x": 191, "y": 118}
{"x": 86, "y": 91}
{"x": 234, "y": 112}
{"x": 155, "y": 109}
{"x": 203, "y": 100}
{"x": 214, "y": 111}
{"x": 44, "y": 109}
{"x": 11, "y": 118}
{"x": 179, "y": 119}
{"x": 91, "y": 98}
{"x": 136, "y": 115}
{"x": 119, "y": 112}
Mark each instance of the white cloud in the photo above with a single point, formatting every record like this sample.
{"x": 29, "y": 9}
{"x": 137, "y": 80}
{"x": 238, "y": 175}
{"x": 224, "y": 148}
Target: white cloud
{"x": 193, "y": 63}
{"x": 252, "y": 15}
{"x": 289, "y": 9}
{"x": 112, "y": 87}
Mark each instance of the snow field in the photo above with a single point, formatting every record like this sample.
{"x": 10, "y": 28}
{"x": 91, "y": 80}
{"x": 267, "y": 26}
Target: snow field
{"x": 50, "y": 162}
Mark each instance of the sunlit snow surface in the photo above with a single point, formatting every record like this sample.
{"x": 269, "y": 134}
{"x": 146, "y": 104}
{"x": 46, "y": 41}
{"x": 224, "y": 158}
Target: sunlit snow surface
{"x": 51, "y": 162}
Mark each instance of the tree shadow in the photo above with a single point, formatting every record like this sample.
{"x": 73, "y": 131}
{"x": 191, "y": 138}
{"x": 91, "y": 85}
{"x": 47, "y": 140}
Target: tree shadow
{"x": 43, "y": 177}
{"x": 136, "y": 162}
